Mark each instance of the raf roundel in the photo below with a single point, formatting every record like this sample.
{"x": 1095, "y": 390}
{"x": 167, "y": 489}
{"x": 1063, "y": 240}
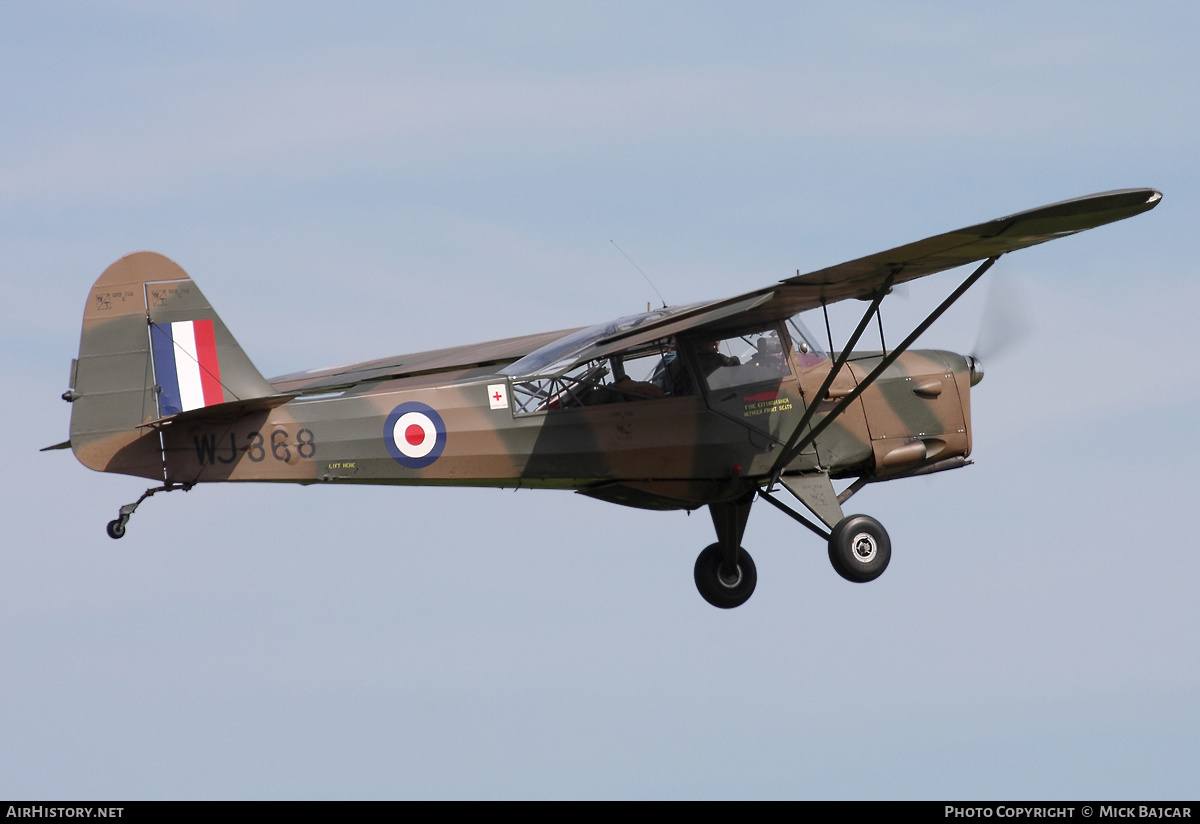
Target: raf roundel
{"x": 415, "y": 435}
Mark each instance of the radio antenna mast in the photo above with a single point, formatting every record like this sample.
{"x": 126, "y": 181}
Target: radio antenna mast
{"x": 639, "y": 268}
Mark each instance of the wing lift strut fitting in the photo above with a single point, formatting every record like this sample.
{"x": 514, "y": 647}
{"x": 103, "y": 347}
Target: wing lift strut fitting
{"x": 815, "y": 491}
{"x": 116, "y": 527}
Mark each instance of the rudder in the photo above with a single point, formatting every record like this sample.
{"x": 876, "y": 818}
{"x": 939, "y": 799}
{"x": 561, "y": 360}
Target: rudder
{"x": 151, "y": 347}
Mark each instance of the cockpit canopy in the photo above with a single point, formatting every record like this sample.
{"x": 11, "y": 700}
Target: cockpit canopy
{"x": 606, "y": 338}
{"x": 602, "y": 364}
{"x": 562, "y": 353}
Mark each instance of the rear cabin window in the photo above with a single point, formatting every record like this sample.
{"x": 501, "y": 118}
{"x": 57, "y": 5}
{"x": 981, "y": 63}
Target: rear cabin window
{"x": 645, "y": 373}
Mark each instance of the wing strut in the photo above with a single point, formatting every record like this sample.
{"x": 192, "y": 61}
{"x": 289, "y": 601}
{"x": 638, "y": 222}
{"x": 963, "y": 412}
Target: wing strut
{"x": 796, "y": 444}
{"x": 789, "y": 448}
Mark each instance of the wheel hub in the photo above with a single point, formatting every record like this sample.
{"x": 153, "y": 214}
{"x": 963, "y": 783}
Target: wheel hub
{"x": 728, "y": 580}
{"x": 864, "y": 548}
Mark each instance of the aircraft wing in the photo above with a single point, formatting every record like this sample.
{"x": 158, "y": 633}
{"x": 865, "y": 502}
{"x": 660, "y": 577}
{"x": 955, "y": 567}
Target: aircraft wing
{"x": 862, "y": 278}
{"x": 419, "y": 363}
{"x": 856, "y": 279}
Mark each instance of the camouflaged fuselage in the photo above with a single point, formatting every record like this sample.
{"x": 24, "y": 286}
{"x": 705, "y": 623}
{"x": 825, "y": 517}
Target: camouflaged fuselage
{"x": 427, "y": 419}
{"x": 714, "y": 404}
{"x": 662, "y": 453}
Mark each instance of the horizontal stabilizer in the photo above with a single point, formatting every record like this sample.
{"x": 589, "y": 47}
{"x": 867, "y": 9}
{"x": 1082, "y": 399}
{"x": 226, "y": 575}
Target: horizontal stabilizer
{"x": 222, "y": 412}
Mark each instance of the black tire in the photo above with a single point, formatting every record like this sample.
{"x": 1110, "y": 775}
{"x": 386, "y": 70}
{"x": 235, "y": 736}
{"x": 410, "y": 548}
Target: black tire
{"x": 116, "y": 529}
{"x": 719, "y": 588}
{"x": 859, "y": 548}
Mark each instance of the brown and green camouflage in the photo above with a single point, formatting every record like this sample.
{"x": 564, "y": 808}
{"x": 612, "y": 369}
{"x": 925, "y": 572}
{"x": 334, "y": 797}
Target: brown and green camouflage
{"x": 676, "y": 409}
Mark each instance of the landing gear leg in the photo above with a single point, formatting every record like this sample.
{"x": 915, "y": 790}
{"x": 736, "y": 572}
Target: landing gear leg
{"x": 859, "y": 548}
{"x": 116, "y": 527}
{"x": 725, "y": 573}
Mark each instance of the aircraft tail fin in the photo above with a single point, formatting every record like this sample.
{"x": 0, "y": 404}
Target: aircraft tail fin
{"x": 151, "y": 348}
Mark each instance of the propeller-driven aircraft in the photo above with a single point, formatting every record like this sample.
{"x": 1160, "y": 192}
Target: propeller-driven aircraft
{"x": 714, "y": 404}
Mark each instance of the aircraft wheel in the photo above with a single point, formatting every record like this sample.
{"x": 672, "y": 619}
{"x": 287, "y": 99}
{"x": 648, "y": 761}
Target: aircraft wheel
{"x": 859, "y": 548}
{"x": 720, "y": 588}
{"x": 116, "y": 529}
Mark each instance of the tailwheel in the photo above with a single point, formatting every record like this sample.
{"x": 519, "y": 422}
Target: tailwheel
{"x": 116, "y": 527}
{"x": 859, "y": 548}
{"x": 720, "y": 586}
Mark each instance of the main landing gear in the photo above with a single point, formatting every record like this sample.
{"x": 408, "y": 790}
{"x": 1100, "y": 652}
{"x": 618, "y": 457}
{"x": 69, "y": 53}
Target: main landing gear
{"x": 722, "y": 584}
{"x": 859, "y": 549}
{"x": 116, "y": 527}
{"x": 725, "y": 573}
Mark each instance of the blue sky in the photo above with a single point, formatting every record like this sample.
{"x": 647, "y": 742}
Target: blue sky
{"x": 347, "y": 184}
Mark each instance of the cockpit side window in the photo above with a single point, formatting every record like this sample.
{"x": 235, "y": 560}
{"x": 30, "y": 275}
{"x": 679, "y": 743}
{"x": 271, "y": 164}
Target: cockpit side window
{"x": 646, "y": 373}
{"x": 809, "y": 352}
{"x": 743, "y": 359}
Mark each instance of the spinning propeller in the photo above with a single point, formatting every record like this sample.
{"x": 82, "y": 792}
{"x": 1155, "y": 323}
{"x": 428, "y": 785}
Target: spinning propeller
{"x": 1003, "y": 324}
